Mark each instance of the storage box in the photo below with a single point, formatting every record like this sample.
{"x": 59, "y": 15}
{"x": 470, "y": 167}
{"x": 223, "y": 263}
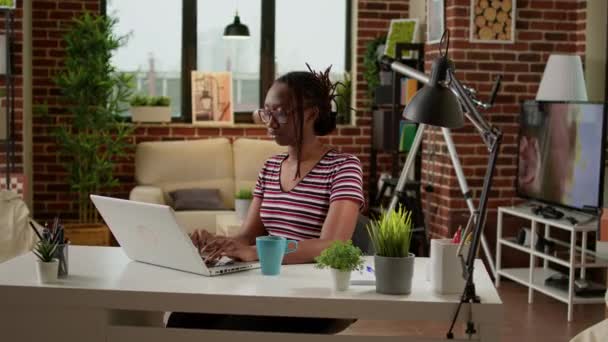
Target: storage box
{"x": 446, "y": 270}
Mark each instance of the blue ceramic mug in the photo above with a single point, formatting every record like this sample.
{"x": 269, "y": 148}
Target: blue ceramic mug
{"x": 271, "y": 250}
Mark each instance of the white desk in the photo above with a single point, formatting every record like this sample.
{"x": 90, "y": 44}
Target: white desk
{"x": 108, "y": 297}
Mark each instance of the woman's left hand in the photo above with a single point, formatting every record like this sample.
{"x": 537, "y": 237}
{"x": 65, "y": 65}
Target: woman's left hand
{"x": 232, "y": 248}
{"x": 240, "y": 251}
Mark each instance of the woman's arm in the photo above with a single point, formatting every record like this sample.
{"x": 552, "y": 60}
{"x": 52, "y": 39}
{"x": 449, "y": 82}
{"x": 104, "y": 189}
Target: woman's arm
{"x": 339, "y": 225}
{"x": 252, "y": 226}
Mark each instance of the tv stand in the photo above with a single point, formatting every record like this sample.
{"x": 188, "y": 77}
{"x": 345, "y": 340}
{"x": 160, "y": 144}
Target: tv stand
{"x": 577, "y": 258}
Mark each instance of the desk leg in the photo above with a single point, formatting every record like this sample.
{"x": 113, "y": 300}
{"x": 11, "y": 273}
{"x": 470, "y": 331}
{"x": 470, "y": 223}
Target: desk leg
{"x": 571, "y": 274}
{"x": 498, "y": 248}
{"x": 532, "y": 263}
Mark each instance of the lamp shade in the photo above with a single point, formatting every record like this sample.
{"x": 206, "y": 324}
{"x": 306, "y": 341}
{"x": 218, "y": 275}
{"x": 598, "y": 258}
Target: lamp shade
{"x": 563, "y": 80}
{"x": 435, "y": 104}
{"x": 236, "y": 30}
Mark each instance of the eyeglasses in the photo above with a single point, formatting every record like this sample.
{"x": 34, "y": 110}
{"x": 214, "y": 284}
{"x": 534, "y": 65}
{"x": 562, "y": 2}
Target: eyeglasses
{"x": 266, "y": 115}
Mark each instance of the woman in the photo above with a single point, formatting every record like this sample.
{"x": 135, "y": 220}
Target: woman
{"x": 311, "y": 194}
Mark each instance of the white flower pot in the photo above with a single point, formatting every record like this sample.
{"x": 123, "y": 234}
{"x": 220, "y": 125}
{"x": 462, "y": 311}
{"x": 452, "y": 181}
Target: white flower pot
{"x": 47, "y": 271}
{"x": 151, "y": 114}
{"x": 241, "y": 206}
{"x": 341, "y": 279}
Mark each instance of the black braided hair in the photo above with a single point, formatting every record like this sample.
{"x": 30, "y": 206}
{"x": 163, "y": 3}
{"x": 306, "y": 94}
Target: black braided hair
{"x": 311, "y": 89}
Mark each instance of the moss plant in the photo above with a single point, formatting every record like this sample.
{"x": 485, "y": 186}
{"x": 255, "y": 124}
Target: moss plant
{"x": 343, "y": 256}
{"x": 244, "y": 194}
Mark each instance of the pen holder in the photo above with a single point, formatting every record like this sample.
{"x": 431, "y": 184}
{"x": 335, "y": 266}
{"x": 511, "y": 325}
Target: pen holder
{"x": 446, "y": 269}
{"x": 61, "y": 254}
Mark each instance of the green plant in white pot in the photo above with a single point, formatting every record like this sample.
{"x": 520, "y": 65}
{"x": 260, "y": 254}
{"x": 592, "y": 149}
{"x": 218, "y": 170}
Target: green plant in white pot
{"x": 391, "y": 236}
{"x": 242, "y": 201}
{"x": 47, "y": 266}
{"x": 341, "y": 258}
{"x": 150, "y": 108}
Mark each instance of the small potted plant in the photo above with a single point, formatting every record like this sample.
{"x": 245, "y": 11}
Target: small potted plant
{"x": 47, "y": 266}
{"x": 341, "y": 258}
{"x": 391, "y": 236}
{"x": 242, "y": 201}
{"x": 150, "y": 109}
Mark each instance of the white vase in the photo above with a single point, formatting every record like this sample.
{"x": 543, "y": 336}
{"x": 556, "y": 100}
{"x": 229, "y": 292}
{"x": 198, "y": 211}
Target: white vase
{"x": 47, "y": 271}
{"x": 241, "y": 206}
{"x": 341, "y": 279}
{"x": 151, "y": 114}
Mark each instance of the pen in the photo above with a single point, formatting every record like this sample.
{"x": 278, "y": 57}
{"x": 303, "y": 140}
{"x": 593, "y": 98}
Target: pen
{"x": 35, "y": 231}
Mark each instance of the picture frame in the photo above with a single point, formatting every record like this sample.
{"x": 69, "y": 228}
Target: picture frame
{"x": 212, "y": 98}
{"x": 435, "y": 20}
{"x": 401, "y": 31}
{"x": 492, "y": 21}
{"x": 8, "y": 4}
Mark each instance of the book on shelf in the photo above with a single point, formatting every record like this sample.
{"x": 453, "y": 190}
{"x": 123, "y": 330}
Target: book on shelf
{"x": 409, "y": 87}
{"x": 407, "y": 131}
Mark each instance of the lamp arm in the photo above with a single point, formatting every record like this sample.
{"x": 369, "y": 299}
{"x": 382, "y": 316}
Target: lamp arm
{"x": 488, "y": 133}
{"x": 404, "y": 69}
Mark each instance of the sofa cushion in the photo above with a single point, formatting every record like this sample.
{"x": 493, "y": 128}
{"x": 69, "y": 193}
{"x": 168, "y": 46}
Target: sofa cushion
{"x": 196, "y": 199}
{"x": 173, "y": 165}
{"x": 249, "y": 158}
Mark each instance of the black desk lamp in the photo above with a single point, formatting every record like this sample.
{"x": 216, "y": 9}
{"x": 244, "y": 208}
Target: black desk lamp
{"x": 440, "y": 103}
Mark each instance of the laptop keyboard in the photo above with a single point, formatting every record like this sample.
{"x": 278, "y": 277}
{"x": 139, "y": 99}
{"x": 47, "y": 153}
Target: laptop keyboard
{"x": 223, "y": 261}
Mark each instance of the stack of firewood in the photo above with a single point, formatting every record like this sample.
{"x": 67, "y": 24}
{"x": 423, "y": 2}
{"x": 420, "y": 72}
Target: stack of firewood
{"x": 493, "y": 19}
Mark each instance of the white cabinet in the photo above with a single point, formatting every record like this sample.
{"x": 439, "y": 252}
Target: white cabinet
{"x": 573, "y": 256}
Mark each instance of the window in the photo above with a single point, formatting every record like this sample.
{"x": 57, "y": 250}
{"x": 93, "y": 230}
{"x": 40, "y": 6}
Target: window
{"x": 153, "y": 50}
{"x": 241, "y": 57}
{"x": 302, "y": 36}
{"x": 174, "y": 38}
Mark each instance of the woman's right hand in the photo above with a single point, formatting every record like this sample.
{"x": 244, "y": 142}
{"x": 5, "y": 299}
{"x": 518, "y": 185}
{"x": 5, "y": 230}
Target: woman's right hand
{"x": 201, "y": 238}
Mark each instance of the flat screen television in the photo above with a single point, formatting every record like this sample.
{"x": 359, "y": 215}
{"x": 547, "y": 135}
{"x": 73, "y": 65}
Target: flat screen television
{"x": 561, "y": 153}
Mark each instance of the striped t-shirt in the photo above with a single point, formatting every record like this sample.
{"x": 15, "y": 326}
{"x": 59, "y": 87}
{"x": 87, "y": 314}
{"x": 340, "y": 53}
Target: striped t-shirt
{"x": 299, "y": 214}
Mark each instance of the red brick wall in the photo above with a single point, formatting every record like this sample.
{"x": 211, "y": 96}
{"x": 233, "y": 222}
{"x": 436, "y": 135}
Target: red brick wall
{"x": 51, "y": 17}
{"x": 542, "y": 28}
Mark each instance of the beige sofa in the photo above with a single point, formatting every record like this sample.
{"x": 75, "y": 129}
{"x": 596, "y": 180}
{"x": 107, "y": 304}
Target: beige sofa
{"x": 161, "y": 167}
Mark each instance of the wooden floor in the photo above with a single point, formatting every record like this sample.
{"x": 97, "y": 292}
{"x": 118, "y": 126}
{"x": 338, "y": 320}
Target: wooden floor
{"x": 545, "y": 320}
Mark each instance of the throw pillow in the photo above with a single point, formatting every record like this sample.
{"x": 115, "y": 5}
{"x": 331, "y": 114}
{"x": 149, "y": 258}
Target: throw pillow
{"x": 196, "y": 199}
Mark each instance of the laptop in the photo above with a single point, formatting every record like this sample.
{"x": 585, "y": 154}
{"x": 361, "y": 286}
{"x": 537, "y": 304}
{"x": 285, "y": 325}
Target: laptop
{"x": 150, "y": 233}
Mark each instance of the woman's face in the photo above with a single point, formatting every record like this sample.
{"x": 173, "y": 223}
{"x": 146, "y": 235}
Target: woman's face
{"x": 282, "y": 122}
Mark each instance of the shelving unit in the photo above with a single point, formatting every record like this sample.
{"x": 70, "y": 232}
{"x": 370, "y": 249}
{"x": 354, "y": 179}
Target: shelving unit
{"x": 386, "y": 121}
{"x": 574, "y": 257}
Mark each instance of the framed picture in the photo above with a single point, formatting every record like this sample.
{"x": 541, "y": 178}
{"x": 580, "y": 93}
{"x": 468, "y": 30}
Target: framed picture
{"x": 400, "y": 31}
{"x": 435, "y": 20}
{"x": 492, "y": 21}
{"x": 212, "y": 98}
{"x": 11, "y": 4}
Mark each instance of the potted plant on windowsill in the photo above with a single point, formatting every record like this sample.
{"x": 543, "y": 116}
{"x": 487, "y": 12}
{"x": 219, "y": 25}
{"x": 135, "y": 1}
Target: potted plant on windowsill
{"x": 394, "y": 264}
{"x": 242, "y": 201}
{"x": 47, "y": 267}
{"x": 343, "y": 100}
{"x": 93, "y": 136}
{"x": 150, "y": 109}
{"x": 341, "y": 258}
